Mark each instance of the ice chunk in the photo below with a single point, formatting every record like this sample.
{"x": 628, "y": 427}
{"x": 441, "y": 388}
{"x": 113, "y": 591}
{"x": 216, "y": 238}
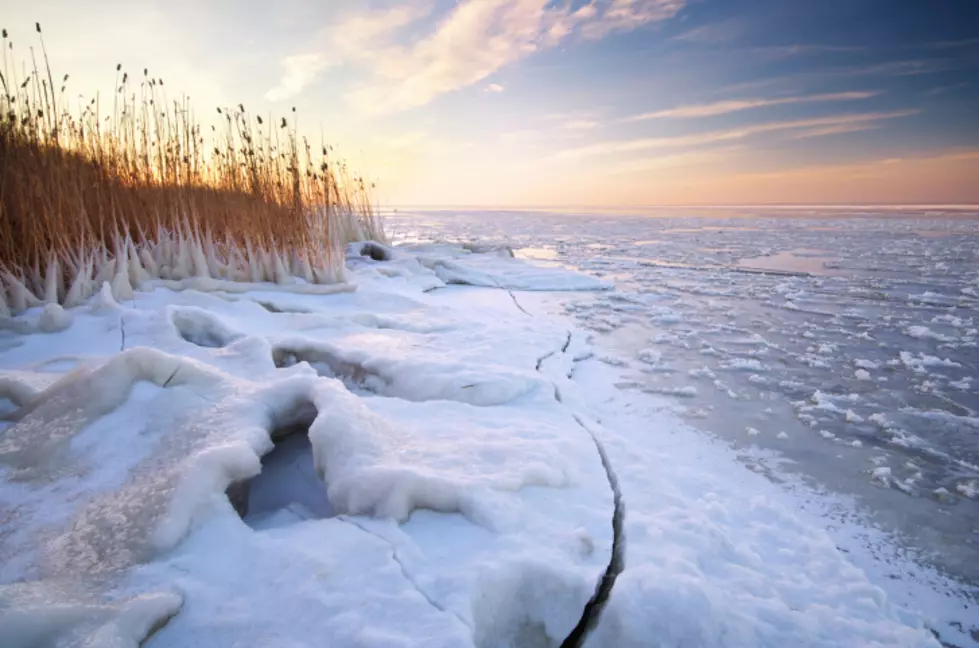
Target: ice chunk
{"x": 54, "y": 318}
{"x": 881, "y": 474}
{"x": 650, "y": 356}
{"x": 925, "y": 333}
{"x": 969, "y": 488}
{"x": 50, "y": 614}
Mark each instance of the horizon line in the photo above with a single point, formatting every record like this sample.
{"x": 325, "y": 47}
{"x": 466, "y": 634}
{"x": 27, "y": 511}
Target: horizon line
{"x": 827, "y": 206}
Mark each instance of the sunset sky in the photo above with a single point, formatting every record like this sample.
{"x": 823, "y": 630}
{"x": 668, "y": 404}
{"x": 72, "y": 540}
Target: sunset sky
{"x": 591, "y": 103}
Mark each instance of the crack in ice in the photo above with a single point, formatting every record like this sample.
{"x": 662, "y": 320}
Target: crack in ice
{"x": 404, "y": 571}
{"x": 603, "y": 589}
{"x": 514, "y": 298}
{"x": 563, "y": 349}
{"x": 592, "y": 612}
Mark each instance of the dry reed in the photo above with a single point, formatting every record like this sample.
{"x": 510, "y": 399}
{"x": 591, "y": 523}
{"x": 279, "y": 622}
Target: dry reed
{"x": 142, "y": 193}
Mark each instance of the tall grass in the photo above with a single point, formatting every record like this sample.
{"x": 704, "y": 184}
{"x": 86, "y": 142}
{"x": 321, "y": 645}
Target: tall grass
{"x": 139, "y": 190}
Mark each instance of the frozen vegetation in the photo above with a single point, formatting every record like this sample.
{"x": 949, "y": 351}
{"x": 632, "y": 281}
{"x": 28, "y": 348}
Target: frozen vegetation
{"x": 435, "y": 454}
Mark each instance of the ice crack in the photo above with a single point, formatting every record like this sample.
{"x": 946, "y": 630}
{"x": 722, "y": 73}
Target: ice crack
{"x": 603, "y": 589}
{"x": 404, "y": 571}
{"x": 514, "y": 298}
{"x": 564, "y": 349}
{"x": 122, "y": 328}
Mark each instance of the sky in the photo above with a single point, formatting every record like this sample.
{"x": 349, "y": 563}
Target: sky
{"x": 571, "y": 102}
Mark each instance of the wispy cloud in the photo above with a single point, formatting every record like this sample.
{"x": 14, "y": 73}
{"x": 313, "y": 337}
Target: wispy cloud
{"x": 870, "y": 167}
{"x": 579, "y": 124}
{"x": 837, "y": 129}
{"x": 351, "y": 39}
{"x": 786, "y": 51}
{"x": 297, "y": 73}
{"x": 735, "y": 105}
{"x": 911, "y": 67}
{"x": 573, "y": 115}
{"x": 655, "y": 163}
{"x": 954, "y": 44}
{"x": 948, "y": 88}
{"x": 474, "y": 40}
{"x": 495, "y": 87}
{"x": 716, "y": 33}
{"x": 713, "y": 137}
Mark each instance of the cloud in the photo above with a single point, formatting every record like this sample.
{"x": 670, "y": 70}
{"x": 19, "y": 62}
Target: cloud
{"x": 471, "y": 42}
{"x": 713, "y": 137}
{"x": 297, "y": 73}
{"x": 871, "y": 167}
{"x": 692, "y": 158}
{"x": 626, "y": 15}
{"x": 892, "y": 68}
{"x": 494, "y": 87}
{"x": 717, "y": 33}
{"x": 350, "y": 39}
{"x": 838, "y": 129}
{"x": 948, "y": 88}
{"x": 775, "y": 52}
{"x": 573, "y": 115}
{"x": 579, "y": 124}
{"x": 735, "y": 105}
{"x": 953, "y": 44}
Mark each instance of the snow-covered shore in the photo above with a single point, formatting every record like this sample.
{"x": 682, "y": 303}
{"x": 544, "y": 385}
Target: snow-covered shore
{"x": 454, "y": 429}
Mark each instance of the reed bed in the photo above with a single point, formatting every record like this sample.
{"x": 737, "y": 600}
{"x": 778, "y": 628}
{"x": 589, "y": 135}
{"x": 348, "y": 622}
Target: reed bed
{"x": 132, "y": 189}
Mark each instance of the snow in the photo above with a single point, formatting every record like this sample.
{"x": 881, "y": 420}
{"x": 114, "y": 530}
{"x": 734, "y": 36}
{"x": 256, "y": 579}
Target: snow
{"x": 921, "y": 362}
{"x": 968, "y": 489}
{"x": 440, "y": 483}
{"x": 37, "y": 613}
{"x": 53, "y": 319}
{"x": 743, "y": 364}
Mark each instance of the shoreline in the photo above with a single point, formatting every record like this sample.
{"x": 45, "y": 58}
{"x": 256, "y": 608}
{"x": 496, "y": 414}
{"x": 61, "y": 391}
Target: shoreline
{"x": 469, "y": 505}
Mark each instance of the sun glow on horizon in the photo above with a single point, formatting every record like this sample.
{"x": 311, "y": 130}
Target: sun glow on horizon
{"x": 536, "y": 102}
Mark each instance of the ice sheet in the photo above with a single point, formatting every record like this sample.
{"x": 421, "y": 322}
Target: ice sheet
{"x": 453, "y": 432}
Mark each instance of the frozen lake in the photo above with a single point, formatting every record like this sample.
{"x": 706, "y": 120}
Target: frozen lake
{"x": 841, "y": 346}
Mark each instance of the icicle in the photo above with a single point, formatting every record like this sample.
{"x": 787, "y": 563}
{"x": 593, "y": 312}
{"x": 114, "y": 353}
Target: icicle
{"x": 281, "y": 275}
{"x": 149, "y": 263}
{"x": 81, "y": 286}
{"x": 305, "y": 268}
{"x": 237, "y": 265}
{"x": 253, "y": 263}
{"x": 52, "y": 282}
{"x": 4, "y": 309}
{"x": 137, "y": 274}
{"x": 215, "y": 268}
{"x": 74, "y": 265}
{"x": 268, "y": 267}
{"x": 324, "y": 275}
{"x": 198, "y": 257}
{"x": 105, "y": 300}
{"x": 161, "y": 253}
{"x": 181, "y": 264}
{"x": 105, "y": 271}
{"x": 20, "y": 297}
{"x": 121, "y": 288}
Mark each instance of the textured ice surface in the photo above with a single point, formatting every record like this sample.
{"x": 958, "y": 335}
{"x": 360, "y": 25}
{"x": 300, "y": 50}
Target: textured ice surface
{"x": 760, "y": 310}
{"x": 451, "y": 494}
